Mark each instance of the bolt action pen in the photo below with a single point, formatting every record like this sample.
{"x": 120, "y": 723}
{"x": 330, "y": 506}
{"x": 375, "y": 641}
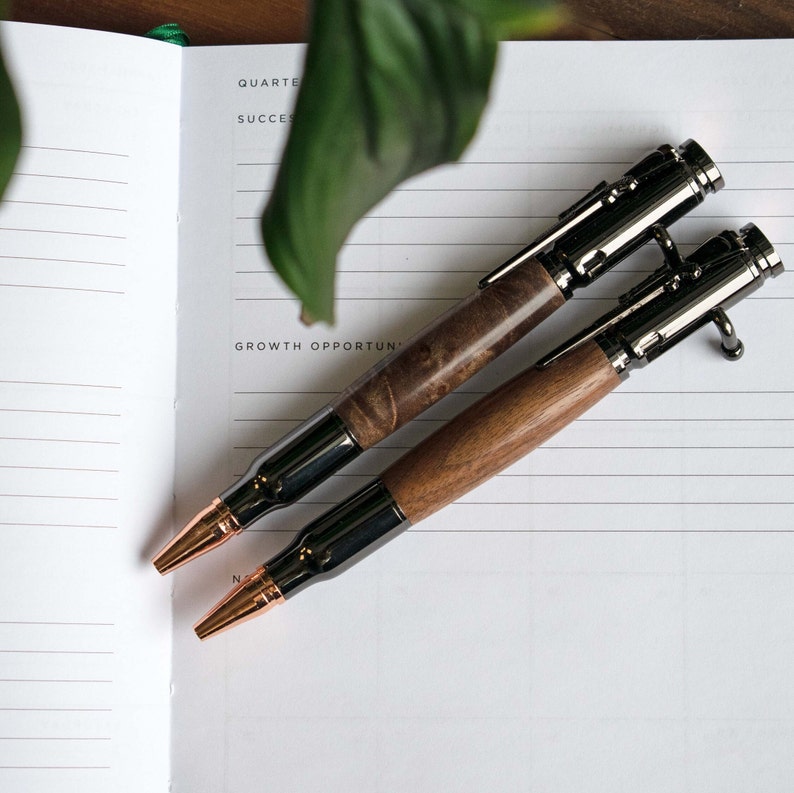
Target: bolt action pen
{"x": 606, "y": 225}
{"x": 679, "y": 298}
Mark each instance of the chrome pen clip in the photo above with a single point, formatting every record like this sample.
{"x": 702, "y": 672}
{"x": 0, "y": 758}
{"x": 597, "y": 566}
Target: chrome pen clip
{"x": 681, "y": 296}
{"x": 615, "y": 219}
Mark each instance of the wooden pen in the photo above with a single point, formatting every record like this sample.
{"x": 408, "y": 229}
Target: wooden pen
{"x": 679, "y": 298}
{"x": 609, "y": 223}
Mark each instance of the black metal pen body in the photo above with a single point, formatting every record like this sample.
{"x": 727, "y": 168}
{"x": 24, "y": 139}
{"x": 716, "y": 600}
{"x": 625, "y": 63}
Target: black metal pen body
{"x": 308, "y": 455}
{"x": 338, "y": 539}
{"x": 595, "y": 244}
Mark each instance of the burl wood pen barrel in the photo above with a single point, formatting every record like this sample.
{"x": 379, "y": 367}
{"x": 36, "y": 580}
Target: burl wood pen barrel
{"x": 605, "y": 226}
{"x": 447, "y": 353}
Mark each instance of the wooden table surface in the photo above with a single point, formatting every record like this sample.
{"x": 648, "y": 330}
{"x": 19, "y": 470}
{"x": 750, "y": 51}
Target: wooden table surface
{"x": 269, "y": 21}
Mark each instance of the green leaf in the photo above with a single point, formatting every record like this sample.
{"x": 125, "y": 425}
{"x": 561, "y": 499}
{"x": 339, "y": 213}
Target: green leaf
{"x": 390, "y": 88}
{"x": 10, "y": 125}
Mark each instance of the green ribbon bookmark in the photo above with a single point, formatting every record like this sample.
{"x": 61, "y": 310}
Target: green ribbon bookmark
{"x": 170, "y": 32}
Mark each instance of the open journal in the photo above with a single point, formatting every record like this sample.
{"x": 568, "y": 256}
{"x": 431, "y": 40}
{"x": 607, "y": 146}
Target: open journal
{"x": 613, "y": 613}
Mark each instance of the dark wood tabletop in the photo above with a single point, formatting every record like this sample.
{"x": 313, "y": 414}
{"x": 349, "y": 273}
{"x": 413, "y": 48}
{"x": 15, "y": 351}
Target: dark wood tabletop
{"x": 270, "y": 21}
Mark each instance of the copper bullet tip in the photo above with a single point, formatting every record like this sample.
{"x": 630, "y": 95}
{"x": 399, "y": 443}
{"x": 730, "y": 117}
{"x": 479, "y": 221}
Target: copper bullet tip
{"x": 211, "y": 527}
{"x": 252, "y": 596}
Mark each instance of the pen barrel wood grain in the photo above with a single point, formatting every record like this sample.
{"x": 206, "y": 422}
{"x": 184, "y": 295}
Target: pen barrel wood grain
{"x": 498, "y": 431}
{"x": 446, "y": 353}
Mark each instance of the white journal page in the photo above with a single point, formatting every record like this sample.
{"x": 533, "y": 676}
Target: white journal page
{"x": 613, "y": 613}
{"x": 87, "y": 374}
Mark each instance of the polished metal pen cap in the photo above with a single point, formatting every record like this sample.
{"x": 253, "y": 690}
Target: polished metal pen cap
{"x": 617, "y": 218}
{"x": 254, "y": 595}
{"x": 211, "y": 527}
{"x": 703, "y": 167}
{"x": 681, "y": 296}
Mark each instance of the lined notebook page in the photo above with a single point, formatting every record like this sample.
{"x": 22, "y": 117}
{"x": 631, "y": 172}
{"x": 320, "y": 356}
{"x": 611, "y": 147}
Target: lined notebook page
{"x": 87, "y": 285}
{"x": 611, "y": 614}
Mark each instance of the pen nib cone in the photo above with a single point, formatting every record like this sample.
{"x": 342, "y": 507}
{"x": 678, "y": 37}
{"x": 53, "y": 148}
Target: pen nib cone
{"x": 252, "y": 596}
{"x": 211, "y": 527}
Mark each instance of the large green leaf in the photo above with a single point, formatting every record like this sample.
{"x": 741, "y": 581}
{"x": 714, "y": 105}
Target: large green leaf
{"x": 10, "y": 124}
{"x": 390, "y": 88}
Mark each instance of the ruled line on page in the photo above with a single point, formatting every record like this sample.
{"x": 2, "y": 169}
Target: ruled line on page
{"x": 55, "y": 767}
{"x": 58, "y": 497}
{"x": 61, "y": 469}
{"x": 53, "y": 680}
{"x": 581, "y": 420}
{"x": 68, "y": 176}
{"x": 56, "y": 710}
{"x": 63, "y": 204}
{"x": 57, "y": 525}
{"x": 65, "y": 149}
{"x": 61, "y": 384}
{"x": 366, "y": 475}
{"x": 96, "y": 414}
{"x": 464, "y": 162}
{"x": 61, "y": 440}
{"x": 65, "y": 231}
{"x": 426, "y": 299}
{"x": 52, "y": 738}
{"x": 57, "y": 652}
{"x": 65, "y": 289}
{"x": 581, "y": 503}
{"x": 473, "y": 392}
{"x": 424, "y": 530}
{"x": 584, "y": 447}
{"x": 69, "y": 623}
{"x": 602, "y": 531}
{"x": 61, "y": 261}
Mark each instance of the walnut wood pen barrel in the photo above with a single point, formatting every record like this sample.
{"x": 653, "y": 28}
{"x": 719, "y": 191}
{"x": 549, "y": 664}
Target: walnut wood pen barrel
{"x": 504, "y": 426}
{"x": 606, "y": 225}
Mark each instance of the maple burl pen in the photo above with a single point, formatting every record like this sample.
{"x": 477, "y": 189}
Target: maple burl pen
{"x": 606, "y": 225}
{"x": 679, "y": 298}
